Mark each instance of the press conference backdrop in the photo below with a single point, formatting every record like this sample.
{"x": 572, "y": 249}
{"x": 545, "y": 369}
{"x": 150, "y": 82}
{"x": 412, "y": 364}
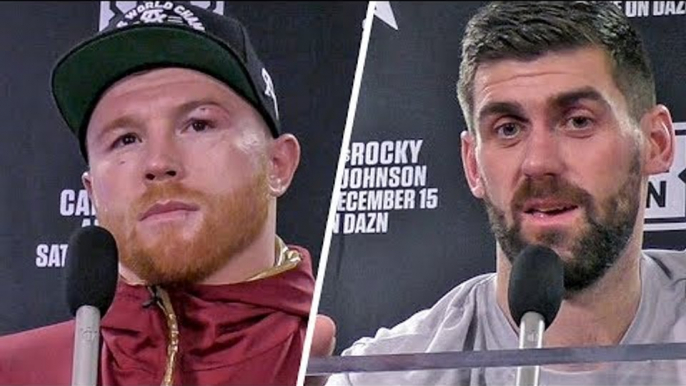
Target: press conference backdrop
{"x": 310, "y": 50}
{"x": 399, "y": 252}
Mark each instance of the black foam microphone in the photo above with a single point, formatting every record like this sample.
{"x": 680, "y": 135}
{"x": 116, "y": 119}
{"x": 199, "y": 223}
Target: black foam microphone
{"x": 534, "y": 296}
{"x": 91, "y": 280}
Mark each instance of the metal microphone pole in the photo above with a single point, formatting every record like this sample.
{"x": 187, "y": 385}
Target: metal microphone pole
{"x": 86, "y": 346}
{"x": 530, "y": 336}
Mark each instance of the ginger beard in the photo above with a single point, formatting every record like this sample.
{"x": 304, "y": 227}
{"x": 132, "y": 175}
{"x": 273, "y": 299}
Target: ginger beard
{"x": 606, "y": 230}
{"x": 230, "y": 222}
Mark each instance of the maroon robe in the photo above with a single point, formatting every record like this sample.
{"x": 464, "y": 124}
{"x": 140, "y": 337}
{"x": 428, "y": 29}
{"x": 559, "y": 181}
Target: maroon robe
{"x": 249, "y": 333}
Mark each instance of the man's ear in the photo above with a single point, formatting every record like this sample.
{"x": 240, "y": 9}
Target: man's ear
{"x": 470, "y": 165}
{"x": 284, "y": 157}
{"x": 87, "y": 181}
{"x": 660, "y": 140}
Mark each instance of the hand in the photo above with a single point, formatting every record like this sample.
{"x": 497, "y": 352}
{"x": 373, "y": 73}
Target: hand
{"x": 323, "y": 344}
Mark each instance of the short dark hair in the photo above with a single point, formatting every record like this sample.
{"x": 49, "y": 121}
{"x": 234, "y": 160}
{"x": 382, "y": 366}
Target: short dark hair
{"x": 526, "y": 30}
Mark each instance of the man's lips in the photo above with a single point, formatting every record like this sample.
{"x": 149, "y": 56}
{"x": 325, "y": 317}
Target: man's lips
{"x": 547, "y": 207}
{"x": 167, "y": 207}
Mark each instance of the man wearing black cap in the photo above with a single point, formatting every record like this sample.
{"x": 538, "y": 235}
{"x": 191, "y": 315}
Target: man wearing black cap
{"x": 179, "y": 123}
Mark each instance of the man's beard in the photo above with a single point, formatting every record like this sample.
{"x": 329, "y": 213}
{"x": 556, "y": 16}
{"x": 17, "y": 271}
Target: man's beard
{"x": 600, "y": 242}
{"x": 230, "y": 223}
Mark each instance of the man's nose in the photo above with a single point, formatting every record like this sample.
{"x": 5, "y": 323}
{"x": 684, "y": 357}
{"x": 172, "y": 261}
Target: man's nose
{"x": 163, "y": 159}
{"x": 543, "y": 154}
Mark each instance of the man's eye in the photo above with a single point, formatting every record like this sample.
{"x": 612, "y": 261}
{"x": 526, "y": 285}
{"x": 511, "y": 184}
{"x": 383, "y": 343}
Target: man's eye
{"x": 580, "y": 123}
{"x": 125, "y": 140}
{"x": 200, "y": 125}
{"x": 508, "y": 130}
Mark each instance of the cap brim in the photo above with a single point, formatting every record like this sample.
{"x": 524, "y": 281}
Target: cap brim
{"x": 81, "y": 76}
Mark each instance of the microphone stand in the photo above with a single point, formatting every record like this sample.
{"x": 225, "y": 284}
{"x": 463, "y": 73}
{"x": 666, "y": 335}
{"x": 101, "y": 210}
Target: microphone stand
{"x": 531, "y": 330}
{"x": 86, "y": 346}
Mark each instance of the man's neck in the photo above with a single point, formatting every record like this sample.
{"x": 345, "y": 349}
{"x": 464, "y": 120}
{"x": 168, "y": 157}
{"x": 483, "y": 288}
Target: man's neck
{"x": 256, "y": 257}
{"x": 599, "y": 315}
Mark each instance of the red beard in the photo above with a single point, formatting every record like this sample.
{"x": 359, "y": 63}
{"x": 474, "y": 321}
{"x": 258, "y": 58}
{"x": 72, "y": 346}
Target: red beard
{"x": 230, "y": 223}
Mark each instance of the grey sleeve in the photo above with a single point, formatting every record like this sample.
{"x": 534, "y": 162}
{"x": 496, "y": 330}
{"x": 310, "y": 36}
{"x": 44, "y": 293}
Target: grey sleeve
{"x": 340, "y": 379}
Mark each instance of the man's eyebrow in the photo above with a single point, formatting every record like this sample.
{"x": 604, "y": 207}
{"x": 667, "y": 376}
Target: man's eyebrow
{"x": 513, "y": 109}
{"x": 132, "y": 121}
{"x": 194, "y": 104}
{"x": 122, "y": 121}
{"x": 560, "y": 101}
{"x": 569, "y": 98}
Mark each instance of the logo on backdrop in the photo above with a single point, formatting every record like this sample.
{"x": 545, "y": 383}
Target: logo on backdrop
{"x": 155, "y": 12}
{"x": 379, "y": 178}
{"x": 72, "y": 204}
{"x": 652, "y": 8}
{"x": 666, "y": 204}
{"x": 384, "y": 11}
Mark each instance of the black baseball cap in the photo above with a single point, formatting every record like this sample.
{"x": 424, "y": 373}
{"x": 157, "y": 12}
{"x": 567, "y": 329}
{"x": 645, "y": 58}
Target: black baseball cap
{"x": 154, "y": 35}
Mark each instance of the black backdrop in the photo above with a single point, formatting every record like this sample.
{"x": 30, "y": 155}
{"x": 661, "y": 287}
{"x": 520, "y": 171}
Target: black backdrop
{"x": 386, "y": 264}
{"x": 310, "y": 50}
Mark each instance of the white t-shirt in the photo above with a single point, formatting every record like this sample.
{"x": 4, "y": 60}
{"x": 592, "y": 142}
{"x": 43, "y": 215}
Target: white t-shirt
{"x": 469, "y": 318}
